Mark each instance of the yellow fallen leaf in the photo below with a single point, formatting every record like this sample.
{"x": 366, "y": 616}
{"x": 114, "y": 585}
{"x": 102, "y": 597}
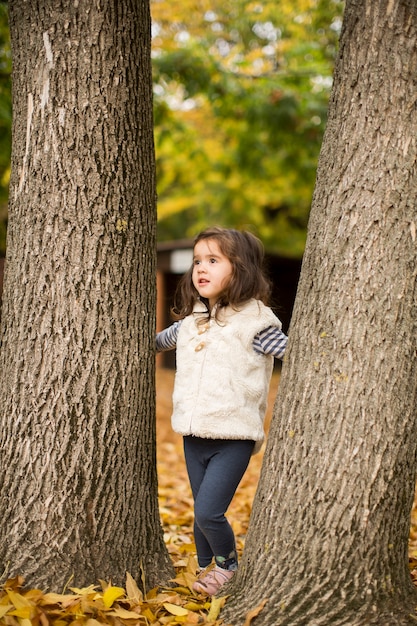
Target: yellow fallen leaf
{"x": 132, "y": 590}
{"x": 216, "y": 606}
{"x": 34, "y": 595}
{"x": 24, "y": 609}
{"x": 152, "y": 593}
{"x": 187, "y": 548}
{"x": 84, "y": 591}
{"x": 174, "y": 609}
{"x": 192, "y": 618}
{"x": 254, "y": 612}
{"x": 194, "y": 606}
{"x": 123, "y": 613}
{"x": 63, "y": 600}
{"x": 25, "y": 612}
{"x": 18, "y": 601}
{"x": 147, "y": 613}
{"x": 111, "y": 594}
{"x": 185, "y": 591}
{"x": 192, "y": 564}
{"x": 4, "y": 609}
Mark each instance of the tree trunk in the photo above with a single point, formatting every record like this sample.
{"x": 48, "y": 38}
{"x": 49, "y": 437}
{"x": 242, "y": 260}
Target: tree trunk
{"x": 78, "y": 485}
{"x": 327, "y": 543}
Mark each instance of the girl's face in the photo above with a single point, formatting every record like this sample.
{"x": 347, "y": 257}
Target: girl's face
{"x": 211, "y": 270}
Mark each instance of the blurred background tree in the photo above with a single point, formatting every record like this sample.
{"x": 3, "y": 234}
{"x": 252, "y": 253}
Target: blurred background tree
{"x": 240, "y": 99}
{"x": 241, "y": 91}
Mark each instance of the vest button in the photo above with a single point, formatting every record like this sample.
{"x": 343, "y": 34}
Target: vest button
{"x": 199, "y": 347}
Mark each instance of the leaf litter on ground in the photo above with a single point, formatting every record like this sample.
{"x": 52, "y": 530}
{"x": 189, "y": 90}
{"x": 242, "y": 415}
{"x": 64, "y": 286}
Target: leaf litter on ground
{"x": 105, "y": 604}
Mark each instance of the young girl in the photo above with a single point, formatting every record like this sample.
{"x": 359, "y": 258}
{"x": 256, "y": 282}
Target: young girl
{"x": 225, "y": 338}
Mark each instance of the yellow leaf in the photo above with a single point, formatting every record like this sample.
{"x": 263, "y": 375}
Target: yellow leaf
{"x": 152, "y": 593}
{"x": 25, "y": 612}
{"x": 84, "y": 591}
{"x": 111, "y": 594}
{"x": 216, "y": 606}
{"x": 4, "y": 609}
{"x": 193, "y": 618}
{"x": 34, "y": 595}
{"x": 149, "y": 615}
{"x": 185, "y": 591}
{"x": 63, "y": 600}
{"x": 17, "y": 600}
{"x": 194, "y": 606}
{"x": 174, "y": 609}
{"x": 132, "y": 590}
{"x": 123, "y": 613}
{"x": 254, "y": 612}
{"x": 24, "y": 608}
{"x": 192, "y": 565}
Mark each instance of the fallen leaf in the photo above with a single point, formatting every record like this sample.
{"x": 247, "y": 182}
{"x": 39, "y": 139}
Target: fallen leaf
{"x": 132, "y": 590}
{"x": 84, "y": 591}
{"x": 18, "y": 601}
{"x": 194, "y": 606}
{"x": 123, "y": 613}
{"x": 216, "y": 606}
{"x": 4, "y": 609}
{"x": 174, "y": 609}
{"x": 64, "y": 600}
{"x": 254, "y": 612}
{"x": 111, "y": 594}
{"x": 25, "y": 612}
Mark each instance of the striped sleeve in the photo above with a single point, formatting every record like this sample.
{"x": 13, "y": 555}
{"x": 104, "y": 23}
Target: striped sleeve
{"x": 167, "y": 339}
{"x": 271, "y": 341}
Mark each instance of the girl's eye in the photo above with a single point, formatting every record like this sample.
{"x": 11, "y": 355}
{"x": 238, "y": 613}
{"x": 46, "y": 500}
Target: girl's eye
{"x": 196, "y": 262}
{"x": 213, "y": 260}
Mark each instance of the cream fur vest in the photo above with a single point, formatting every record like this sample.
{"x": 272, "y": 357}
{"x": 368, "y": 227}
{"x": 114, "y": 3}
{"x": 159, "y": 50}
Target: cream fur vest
{"x": 221, "y": 383}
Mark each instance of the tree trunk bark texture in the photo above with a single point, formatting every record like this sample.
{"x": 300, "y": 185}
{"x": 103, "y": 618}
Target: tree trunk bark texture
{"x": 78, "y": 485}
{"x": 327, "y": 543}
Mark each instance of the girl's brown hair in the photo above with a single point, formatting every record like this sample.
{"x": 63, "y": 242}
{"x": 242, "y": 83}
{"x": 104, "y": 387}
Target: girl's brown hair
{"x": 246, "y": 254}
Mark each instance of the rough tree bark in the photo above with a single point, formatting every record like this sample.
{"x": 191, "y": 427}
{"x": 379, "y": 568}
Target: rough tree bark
{"x": 328, "y": 537}
{"x": 78, "y": 486}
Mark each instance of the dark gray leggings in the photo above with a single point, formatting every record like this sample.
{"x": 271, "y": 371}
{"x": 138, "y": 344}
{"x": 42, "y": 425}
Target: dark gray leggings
{"x": 215, "y": 468}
